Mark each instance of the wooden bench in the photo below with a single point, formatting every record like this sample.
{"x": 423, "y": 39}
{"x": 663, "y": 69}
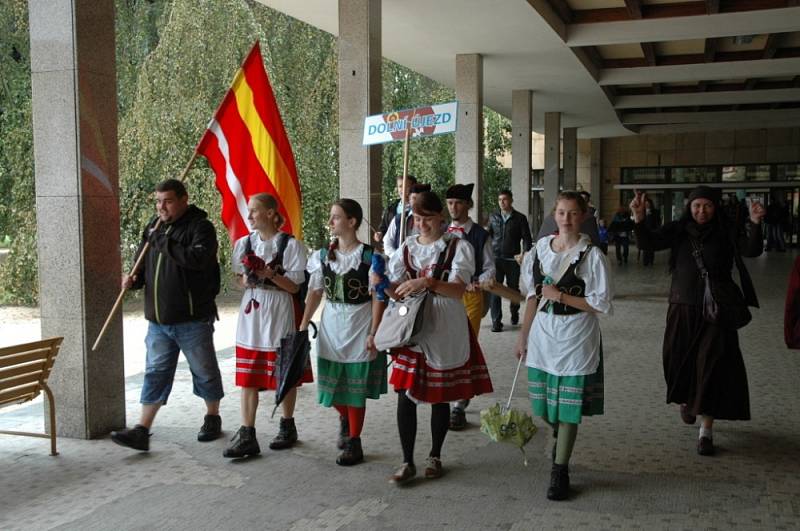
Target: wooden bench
{"x": 24, "y": 370}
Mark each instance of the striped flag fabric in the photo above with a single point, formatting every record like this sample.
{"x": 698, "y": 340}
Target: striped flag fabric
{"x": 247, "y": 147}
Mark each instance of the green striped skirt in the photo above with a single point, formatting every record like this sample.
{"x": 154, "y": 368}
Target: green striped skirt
{"x": 350, "y": 384}
{"x": 566, "y": 398}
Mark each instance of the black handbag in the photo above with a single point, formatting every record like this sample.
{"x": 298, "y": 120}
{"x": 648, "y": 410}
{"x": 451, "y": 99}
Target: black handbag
{"x": 731, "y": 315}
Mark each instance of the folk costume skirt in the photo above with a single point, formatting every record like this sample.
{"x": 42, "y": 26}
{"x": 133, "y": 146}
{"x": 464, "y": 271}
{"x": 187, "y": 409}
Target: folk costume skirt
{"x": 703, "y": 365}
{"x": 350, "y": 384}
{"x": 566, "y": 398}
{"x": 424, "y": 383}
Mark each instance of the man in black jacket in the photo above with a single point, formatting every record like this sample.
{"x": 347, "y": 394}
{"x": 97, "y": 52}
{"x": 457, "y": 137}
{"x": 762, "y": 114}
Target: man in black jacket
{"x": 506, "y": 228}
{"x": 180, "y": 276}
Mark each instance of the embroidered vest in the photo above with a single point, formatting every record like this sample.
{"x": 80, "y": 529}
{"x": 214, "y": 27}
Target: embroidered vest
{"x": 570, "y": 284}
{"x": 353, "y": 286}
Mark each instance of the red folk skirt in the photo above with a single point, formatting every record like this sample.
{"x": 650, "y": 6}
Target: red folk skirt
{"x": 426, "y": 384}
{"x": 256, "y": 368}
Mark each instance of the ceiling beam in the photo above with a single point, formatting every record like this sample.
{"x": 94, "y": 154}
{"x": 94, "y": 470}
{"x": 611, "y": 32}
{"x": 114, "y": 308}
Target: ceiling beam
{"x": 681, "y": 28}
{"x": 704, "y": 117}
{"x": 634, "y": 8}
{"x": 710, "y": 50}
{"x": 660, "y": 129}
{"x": 771, "y": 46}
{"x": 649, "y": 51}
{"x": 732, "y": 97}
{"x": 563, "y": 10}
{"x": 700, "y": 72}
{"x": 712, "y": 6}
{"x": 551, "y": 16}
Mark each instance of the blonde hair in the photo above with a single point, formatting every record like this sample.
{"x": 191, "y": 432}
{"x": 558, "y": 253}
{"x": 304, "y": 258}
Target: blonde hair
{"x": 269, "y": 202}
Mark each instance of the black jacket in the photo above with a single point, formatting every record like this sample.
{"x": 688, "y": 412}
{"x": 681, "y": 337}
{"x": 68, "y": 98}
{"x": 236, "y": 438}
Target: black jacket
{"x": 180, "y": 273}
{"x": 388, "y": 215}
{"x": 506, "y": 235}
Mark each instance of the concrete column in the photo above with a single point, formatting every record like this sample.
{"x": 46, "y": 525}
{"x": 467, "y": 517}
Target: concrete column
{"x": 570, "y": 158}
{"x": 521, "y": 149}
{"x": 552, "y": 148}
{"x": 360, "y": 96}
{"x": 73, "y": 73}
{"x": 469, "y": 136}
{"x": 596, "y": 176}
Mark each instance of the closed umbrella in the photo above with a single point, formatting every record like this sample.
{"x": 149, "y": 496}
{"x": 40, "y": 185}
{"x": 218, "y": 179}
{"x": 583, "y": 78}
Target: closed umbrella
{"x": 293, "y": 358}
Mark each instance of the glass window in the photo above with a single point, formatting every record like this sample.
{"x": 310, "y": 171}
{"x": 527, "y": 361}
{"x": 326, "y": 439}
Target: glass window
{"x": 699, "y": 174}
{"x": 733, "y": 173}
{"x": 758, "y": 172}
{"x": 644, "y": 175}
{"x": 787, "y": 172}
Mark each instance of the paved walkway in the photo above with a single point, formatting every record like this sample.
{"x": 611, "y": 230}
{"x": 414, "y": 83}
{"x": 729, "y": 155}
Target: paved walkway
{"x": 634, "y": 467}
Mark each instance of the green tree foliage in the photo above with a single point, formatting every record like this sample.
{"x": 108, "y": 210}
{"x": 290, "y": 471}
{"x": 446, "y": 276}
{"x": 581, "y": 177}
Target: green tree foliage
{"x": 175, "y": 60}
{"x": 18, "y": 275}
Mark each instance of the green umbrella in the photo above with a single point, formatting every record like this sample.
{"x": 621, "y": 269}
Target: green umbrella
{"x": 502, "y": 423}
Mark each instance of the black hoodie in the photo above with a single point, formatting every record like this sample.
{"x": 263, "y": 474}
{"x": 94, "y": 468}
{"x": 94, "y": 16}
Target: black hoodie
{"x": 180, "y": 272}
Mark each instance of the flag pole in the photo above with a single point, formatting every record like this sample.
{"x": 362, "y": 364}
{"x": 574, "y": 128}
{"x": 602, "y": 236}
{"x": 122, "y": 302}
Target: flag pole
{"x": 405, "y": 180}
{"x": 146, "y": 246}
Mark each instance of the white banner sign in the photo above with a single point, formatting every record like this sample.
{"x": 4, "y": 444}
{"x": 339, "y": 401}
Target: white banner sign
{"x": 425, "y": 121}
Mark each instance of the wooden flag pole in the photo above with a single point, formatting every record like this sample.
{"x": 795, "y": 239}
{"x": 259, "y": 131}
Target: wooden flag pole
{"x": 405, "y": 179}
{"x": 137, "y": 265}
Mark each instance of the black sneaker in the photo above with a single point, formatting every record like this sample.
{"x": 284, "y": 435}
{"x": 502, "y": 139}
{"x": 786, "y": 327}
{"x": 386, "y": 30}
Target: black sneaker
{"x": 287, "y": 435}
{"x": 344, "y": 433}
{"x": 211, "y": 428}
{"x": 458, "y": 419}
{"x": 352, "y": 454}
{"x": 244, "y": 443}
{"x": 497, "y": 327}
{"x": 559, "y": 483}
{"x": 137, "y": 438}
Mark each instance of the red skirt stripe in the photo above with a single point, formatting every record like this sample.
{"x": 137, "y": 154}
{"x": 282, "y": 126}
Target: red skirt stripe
{"x": 256, "y": 368}
{"x": 411, "y": 372}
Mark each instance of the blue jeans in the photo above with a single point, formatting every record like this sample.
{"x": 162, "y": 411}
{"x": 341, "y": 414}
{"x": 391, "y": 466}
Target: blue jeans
{"x": 164, "y": 343}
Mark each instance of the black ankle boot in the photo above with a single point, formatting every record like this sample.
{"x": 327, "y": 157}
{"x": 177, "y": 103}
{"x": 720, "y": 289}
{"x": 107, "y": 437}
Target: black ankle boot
{"x": 287, "y": 435}
{"x": 559, "y": 483}
{"x": 244, "y": 443}
{"x": 352, "y": 454}
{"x": 344, "y": 433}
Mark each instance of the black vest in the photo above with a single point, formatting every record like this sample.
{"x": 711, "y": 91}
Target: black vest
{"x": 353, "y": 286}
{"x": 397, "y": 220}
{"x": 477, "y": 237}
{"x": 570, "y": 283}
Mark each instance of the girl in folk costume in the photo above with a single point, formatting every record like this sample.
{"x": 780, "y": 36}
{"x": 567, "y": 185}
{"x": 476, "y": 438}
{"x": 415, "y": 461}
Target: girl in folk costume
{"x": 270, "y": 265}
{"x": 350, "y": 368}
{"x": 568, "y": 284}
{"x": 446, "y": 363}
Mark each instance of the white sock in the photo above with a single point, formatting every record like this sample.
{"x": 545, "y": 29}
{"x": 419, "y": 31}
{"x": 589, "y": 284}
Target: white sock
{"x": 705, "y": 432}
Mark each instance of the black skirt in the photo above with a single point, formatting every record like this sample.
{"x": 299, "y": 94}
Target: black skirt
{"x": 703, "y": 366}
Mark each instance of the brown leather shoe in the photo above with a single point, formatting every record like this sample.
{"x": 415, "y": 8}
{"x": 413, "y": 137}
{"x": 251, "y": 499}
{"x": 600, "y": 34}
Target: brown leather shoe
{"x": 686, "y": 416}
{"x": 433, "y": 468}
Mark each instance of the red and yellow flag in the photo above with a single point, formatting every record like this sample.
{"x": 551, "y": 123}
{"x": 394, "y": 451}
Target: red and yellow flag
{"x": 247, "y": 147}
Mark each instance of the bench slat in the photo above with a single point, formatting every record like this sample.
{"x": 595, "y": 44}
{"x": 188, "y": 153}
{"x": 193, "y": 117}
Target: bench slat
{"x": 16, "y": 359}
{"x": 17, "y": 399}
{"x": 37, "y": 366}
{"x": 35, "y": 345}
{"x": 14, "y": 392}
{"x": 16, "y": 381}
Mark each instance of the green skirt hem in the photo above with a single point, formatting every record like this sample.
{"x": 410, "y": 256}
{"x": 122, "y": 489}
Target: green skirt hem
{"x": 566, "y": 398}
{"x": 351, "y": 384}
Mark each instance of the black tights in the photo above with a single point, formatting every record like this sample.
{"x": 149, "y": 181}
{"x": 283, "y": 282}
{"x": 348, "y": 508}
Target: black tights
{"x": 407, "y": 425}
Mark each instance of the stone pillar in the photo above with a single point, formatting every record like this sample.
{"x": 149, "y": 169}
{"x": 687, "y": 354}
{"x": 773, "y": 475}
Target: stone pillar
{"x": 521, "y": 149}
{"x": 570, "y": 158}
{"x": 469, "y": 135}
{"x": 596, "y": 176}
{"x": 552, "y": 148}
{"x": 73, "y": 75}
{"x": 360, "y": 96}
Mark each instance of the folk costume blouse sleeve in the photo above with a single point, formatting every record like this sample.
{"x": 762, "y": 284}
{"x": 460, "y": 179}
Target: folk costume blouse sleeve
{"x": 594, "y": 272}
{"x": 314, "y": 268}
{"x": 294, "y": 261}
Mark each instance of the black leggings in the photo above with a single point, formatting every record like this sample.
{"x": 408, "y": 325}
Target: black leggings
{"x": 407, "y": 426}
